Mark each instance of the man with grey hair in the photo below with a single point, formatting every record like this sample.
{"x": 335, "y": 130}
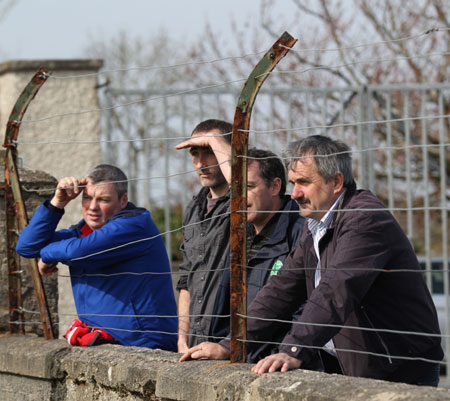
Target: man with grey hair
{"x": 368, "y": 308}
{"x": 111, "y": 253}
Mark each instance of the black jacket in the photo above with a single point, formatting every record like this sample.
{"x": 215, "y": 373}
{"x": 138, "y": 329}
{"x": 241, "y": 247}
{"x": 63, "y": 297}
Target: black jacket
{"x": 360, "y": 287}
{"x": 273, "y": 253}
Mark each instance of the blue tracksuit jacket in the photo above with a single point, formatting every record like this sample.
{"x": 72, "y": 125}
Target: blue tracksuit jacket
{"x": 99, "y": 286}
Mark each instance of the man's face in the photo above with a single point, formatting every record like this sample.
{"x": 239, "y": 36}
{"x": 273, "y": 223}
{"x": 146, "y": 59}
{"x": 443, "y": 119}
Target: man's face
{"x": 100, "y": 202}
{"x": 202, "y": 159}
{"x": 310, "y": 190}
{"x": 259, "y": 195}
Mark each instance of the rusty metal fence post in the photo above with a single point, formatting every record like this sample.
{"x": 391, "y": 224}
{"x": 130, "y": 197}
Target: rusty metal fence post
{"x": 16, "y": 216}
{"x": 239, "y": 142}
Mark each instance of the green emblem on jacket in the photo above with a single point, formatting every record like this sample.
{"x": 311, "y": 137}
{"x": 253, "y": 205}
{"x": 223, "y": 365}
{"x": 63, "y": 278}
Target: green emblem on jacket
{"x": 276, "y": 267}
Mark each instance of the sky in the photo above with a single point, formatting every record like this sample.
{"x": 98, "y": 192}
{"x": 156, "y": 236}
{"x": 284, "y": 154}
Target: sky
{"x": 46, "y": 29}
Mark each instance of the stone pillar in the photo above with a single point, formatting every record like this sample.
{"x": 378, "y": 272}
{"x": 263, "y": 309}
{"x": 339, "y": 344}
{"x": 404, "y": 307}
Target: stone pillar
{"x": 32, "y": 181}
{"x": 67, "y": 107}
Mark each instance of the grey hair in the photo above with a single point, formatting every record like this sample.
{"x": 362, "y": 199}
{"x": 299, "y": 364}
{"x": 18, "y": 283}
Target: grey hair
{"x": 108, "y": 172}
{"x": 332, "y": 156}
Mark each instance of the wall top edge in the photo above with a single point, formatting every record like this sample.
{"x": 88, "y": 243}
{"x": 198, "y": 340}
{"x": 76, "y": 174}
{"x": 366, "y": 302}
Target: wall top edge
{"x": 51, "y": 65}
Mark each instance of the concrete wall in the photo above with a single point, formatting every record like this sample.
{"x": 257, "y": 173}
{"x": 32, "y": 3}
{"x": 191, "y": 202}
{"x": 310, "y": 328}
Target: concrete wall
{"x": 60, "y": 95}
{"x": 35, "y": 369}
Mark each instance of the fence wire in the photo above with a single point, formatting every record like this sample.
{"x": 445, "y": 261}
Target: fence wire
{"x": 369, "y": 157}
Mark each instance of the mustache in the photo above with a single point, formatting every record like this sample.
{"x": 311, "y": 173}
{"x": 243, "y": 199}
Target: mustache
{"x": 303, "y": 201}
{"x": 206, "y": 169}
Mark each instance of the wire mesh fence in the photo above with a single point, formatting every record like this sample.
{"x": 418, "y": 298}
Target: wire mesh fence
{"x": 399, "y": 136}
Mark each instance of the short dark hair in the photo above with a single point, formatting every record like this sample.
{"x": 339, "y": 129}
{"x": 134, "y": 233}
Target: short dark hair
{"x": 222, "y": 126}
{"x": 270, "y": 167}
{"x": 334, "y": 156}
{"x": 108, "y": 172}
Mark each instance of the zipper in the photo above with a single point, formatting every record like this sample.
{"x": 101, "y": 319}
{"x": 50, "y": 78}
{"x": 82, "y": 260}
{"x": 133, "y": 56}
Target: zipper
{"x": 379, "y": 337}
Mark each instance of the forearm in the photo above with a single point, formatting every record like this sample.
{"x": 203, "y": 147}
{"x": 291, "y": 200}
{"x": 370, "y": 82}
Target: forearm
{"x": 184, "y": 300}
{"x": 222, "y": 151}
{"x": 39, "y": 232}
{"x": 57, "y": 203}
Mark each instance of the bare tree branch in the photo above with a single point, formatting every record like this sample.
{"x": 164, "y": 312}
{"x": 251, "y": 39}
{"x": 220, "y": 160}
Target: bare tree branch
{"x": 6, "y": 6}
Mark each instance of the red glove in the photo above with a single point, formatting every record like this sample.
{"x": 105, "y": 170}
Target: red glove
{"x": 80, "y": 334}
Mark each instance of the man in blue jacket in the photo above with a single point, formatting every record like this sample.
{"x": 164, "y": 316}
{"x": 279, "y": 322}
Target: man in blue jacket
{"x": 112, "y": 253}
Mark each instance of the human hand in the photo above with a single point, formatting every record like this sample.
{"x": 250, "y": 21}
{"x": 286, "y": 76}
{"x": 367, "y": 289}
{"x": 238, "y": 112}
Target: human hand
{"x": 201, "y": 141}
{"x": 213, "y": 139}
{"x": 206, "y": 350}
{"x": 272, "y": 363}
{"x": 46, "y": 269}
{"x": 68, "y": 188}
{"x": 217, "y": 144}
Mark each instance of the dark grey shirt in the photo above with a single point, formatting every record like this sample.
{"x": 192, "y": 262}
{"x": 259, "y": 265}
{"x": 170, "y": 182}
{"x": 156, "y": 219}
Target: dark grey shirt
{"x": 205, "y": 249}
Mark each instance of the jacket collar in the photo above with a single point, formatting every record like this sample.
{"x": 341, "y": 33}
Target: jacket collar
{"x": 200, "y": 198}
{"x": 284, "y": 220}
{"x": 350, "y": 191}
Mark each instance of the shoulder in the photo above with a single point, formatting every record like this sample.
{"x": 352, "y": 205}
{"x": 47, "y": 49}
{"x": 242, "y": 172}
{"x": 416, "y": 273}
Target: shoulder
{"x": 131, "y": 216}
{"x": 197, "y": 200}
{"x": 365, "y": 211}
{"x": 296, "y": 221}
{"x": 290, "y": 224}
{"x": 193, "y": 208}
{"x": 131, "y": 211}
{"x": 364, "y": 200}
{"x": 291, "y": 205}
{"x": 363, "y": 196}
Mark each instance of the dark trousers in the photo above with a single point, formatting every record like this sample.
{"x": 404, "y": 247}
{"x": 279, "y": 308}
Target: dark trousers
{"x": 430, "y": 378}
{"x": 330, "y": 363}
